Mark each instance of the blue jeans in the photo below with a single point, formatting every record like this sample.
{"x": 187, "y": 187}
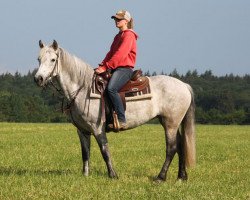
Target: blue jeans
{"x": 119, "y": 78}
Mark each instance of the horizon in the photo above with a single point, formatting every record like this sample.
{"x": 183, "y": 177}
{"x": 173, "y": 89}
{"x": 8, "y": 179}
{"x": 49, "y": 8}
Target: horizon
{"x": 148, "y": 71}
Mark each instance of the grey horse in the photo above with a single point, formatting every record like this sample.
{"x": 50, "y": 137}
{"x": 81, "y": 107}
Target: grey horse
{"x": 172, "y": 102}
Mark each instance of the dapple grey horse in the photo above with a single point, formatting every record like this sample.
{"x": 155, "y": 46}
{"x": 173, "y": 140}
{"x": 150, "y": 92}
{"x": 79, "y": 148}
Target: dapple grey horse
{"x": 172, "y": 102}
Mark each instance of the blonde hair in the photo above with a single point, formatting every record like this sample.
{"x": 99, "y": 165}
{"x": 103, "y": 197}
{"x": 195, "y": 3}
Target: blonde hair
{"x": 131, "y": 24}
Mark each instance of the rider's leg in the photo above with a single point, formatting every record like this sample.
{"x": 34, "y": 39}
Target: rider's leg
{"x": 119, "y": 78}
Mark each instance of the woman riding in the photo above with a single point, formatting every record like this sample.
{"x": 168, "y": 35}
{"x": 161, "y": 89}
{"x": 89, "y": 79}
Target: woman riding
{"x": 121, "y": 61}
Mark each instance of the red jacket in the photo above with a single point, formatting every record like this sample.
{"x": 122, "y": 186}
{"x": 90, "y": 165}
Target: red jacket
{"x": 122, "y": 51}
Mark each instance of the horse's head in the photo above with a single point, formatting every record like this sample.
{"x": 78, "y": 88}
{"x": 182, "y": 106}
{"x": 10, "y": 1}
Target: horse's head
{"x": 48, "y": 63}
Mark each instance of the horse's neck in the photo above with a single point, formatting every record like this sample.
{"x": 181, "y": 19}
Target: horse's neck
{"x": 74, "y": 74}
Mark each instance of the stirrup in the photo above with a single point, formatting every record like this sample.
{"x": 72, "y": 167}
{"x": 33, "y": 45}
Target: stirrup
{"x": 117, "y": 126}
{"x": 122, "y": 125}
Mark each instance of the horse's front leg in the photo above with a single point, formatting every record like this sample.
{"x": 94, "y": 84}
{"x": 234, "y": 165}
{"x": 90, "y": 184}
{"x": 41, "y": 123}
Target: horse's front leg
{"x": 103, "y": 144}
{"x": 85, "y": 146}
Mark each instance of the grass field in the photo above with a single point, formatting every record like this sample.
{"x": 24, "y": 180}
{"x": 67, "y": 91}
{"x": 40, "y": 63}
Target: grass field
{"x": 43, "y": 161}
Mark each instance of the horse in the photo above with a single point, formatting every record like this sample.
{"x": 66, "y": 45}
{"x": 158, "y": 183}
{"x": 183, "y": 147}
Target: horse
{"x": 172, "y": 103}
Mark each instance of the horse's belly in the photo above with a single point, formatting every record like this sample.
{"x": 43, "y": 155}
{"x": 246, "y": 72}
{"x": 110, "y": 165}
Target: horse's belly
{"x": 140, "y": 112}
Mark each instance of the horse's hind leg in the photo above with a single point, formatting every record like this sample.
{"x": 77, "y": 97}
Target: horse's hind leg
{"x": 171, "y": 148}
{"x": 85, "y": 146}
{"x": 182, "y": 174}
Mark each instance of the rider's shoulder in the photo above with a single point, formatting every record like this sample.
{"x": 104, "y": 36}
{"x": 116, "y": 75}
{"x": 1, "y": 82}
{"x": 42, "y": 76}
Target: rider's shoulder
{"x": 130, "y": 32}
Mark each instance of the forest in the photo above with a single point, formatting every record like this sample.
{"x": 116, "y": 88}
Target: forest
{"x": 219, "y": 99}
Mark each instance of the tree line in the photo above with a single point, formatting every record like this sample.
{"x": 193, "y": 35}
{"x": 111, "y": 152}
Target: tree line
{"x": 219, "y": 99}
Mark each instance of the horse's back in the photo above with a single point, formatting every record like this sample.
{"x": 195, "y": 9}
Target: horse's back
{"x": 172, "y": 95}
{"x": 169, "y": 85}
{"x": 167, "y": 81}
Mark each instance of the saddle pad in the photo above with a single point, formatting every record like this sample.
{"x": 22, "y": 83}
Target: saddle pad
{"x": 131, "y": 96}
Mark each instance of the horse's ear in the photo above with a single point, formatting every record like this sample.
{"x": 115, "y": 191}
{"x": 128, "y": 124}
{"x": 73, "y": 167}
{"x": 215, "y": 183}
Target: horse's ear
{"x": 41, "y": 44}
{"x": 55, "y": 45}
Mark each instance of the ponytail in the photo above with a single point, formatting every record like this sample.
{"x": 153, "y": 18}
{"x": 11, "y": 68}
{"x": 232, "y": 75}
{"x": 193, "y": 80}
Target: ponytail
{"x": 131, "y": 24}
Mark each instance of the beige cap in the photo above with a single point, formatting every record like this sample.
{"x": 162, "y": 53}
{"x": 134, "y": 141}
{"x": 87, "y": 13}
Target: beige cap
{"x": 122, "y": 14}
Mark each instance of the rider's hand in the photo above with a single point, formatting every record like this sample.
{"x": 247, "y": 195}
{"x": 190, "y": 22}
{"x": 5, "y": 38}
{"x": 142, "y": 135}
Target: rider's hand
{"x": 100, "y": 69}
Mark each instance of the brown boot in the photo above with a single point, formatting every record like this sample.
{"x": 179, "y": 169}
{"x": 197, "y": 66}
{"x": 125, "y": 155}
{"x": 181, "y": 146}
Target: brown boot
{"x": 122, "y": 126}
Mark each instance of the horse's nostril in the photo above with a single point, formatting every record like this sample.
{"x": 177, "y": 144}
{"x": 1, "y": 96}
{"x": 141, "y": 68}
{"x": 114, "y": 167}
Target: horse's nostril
{"x": 38, "y": 80}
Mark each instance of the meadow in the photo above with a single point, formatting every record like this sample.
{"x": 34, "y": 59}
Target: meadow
{"x": 43, "y": 161}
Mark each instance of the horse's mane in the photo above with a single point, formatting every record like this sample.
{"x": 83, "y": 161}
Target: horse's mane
{"x": 75, "y": 66}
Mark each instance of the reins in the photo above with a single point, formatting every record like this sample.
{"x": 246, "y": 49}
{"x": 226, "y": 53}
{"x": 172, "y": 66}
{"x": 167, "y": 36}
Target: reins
{"x": 65, "y": 109}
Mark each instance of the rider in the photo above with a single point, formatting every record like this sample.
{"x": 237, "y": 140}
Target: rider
{"x": 121, "y": 60}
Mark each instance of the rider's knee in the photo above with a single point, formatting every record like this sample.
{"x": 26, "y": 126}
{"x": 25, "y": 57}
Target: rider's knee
{"x": 111, "y": 89}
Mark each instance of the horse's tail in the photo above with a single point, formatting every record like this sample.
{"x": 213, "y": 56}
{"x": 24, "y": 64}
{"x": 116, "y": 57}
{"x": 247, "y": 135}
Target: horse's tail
{"x": 188, "y": 132}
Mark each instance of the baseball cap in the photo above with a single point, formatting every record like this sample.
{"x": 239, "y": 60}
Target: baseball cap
{"x": 122, "y": 14}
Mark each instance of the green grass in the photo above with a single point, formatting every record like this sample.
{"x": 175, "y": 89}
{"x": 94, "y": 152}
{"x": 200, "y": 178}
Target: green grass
{"x": 43, "y": 161}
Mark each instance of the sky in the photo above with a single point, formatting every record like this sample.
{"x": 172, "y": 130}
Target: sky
{"x": 173, "y": 34}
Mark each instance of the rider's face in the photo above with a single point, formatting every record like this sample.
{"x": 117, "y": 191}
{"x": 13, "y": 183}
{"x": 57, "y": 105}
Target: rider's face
{"x": 121, "y": 23}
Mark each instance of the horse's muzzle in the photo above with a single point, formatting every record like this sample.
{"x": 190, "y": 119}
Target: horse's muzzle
{"x": 39, "y": 80}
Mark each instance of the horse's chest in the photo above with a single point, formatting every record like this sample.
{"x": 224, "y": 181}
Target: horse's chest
{"x": 81, "y": 120}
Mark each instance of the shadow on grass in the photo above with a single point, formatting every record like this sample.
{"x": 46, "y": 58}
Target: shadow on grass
{"x": 96, "y": 171}
{"x": 9, "y": 171}
{"x": 19, "y": 172}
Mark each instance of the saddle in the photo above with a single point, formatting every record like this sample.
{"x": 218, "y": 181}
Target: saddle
{"x": 137, "y": 85}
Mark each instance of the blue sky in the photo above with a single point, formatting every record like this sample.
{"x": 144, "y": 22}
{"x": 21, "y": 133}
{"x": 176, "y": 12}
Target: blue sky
{"x": 173, "y": 34}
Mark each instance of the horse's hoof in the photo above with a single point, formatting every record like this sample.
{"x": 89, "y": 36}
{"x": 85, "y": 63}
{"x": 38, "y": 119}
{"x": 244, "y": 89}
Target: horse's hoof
{"x": 113, "y": 175}
{"x": 158, "y": 179}
{"x": 85, "y": 173}
{"x": 182, "y": 177}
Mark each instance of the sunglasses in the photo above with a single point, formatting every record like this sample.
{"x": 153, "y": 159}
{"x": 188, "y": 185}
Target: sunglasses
{"x": 117, "y": 20}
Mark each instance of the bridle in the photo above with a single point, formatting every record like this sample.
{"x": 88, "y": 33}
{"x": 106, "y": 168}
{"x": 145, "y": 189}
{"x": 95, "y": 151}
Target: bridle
{"x": 50, "y": 78}
{"x": 64, "y": 109}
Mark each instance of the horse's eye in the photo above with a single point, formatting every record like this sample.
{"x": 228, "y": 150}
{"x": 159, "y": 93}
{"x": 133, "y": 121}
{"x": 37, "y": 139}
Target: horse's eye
{"x": 53, "y": 60}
